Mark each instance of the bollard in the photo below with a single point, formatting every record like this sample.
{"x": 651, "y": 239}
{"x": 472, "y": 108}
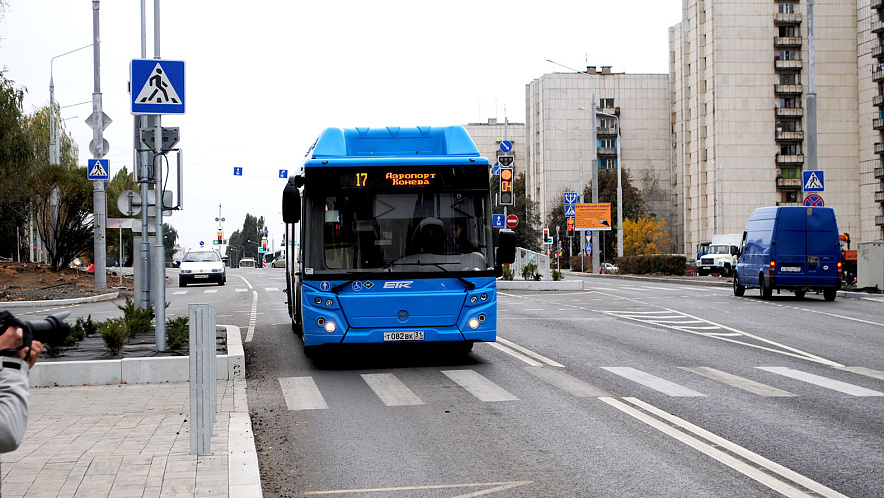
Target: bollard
{"x": 203, "y": 374}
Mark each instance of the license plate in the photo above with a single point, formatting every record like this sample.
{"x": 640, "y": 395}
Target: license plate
{"x": 200, "y": 276}
{"x": 790, "y": 269}
{"x": 417, "y": 335}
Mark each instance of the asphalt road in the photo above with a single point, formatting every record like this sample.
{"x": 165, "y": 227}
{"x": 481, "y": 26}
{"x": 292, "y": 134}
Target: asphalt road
{"x": 631, "y": 388}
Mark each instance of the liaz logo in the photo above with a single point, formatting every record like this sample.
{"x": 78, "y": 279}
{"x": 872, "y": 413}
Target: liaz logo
{"x": 398, "y": 285}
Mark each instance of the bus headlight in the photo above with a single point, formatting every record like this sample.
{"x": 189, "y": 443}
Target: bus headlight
{"x": 329, "y": 327}
{"x": 474, "y": 323}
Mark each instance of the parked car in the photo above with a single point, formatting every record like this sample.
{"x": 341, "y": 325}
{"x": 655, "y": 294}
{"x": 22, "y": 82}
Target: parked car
{"x": 278, "y": 263}
{"x": 609, "y": 267}
{"x": 201, "y": 266}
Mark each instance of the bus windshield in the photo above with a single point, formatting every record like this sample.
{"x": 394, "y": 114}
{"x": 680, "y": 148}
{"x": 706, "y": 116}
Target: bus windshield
{"x": 407, "y": 231}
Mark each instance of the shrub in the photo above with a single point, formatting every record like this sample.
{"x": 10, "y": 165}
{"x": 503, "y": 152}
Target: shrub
{"x": 666, "y": 264}
{"x": 556, "y": 275}
{"x": 530, "y": 271}
{"x": 137, "y": 320}
{"x": 508, "y": 273}
{"x": 114, "y": 332}
{"x": 89, "y": 327}
{"x": 178, "y": 332}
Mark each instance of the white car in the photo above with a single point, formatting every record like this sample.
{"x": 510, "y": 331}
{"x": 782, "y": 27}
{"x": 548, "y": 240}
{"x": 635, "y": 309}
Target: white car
{"x": 201, "y": 267}
{"x": 609, "y": 268}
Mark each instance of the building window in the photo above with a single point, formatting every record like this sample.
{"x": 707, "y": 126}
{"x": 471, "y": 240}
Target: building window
{"x": 790, "y": 173}
{"x": 787, "y": 8}
{"x": 606, "y": 103}
{"x": 787, "y": 31}
{"x": 607, "y": 163}
{"x": 789, "y": 79}
{"x": 788, "y": 103}
{"x": 790, "y": 149}
{"x": 788, "y": 55}
{"x": 787, "y": 125}
{"x": 607, "y": 143}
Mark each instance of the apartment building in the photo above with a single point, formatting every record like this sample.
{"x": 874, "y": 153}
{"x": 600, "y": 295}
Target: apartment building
{"x": 488, "y": 136}
{"x": 560, "y": 135}
{"x": 739, "y": 81}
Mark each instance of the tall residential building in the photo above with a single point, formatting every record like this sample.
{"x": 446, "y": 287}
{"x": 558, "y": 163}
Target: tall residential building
{"x": 488, "y": 136}
{"x": 740, "y": 78}
{"x": 559, "y": 134}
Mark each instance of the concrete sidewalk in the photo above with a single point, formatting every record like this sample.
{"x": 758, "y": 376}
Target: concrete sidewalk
{"x": 133, "y": 440}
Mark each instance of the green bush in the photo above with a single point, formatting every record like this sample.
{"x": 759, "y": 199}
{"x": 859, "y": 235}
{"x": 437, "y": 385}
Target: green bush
{"x": 137, "y": 320}
{"x": 89, "y": 327}
{"x": 530, "y": 271}
{"x": 665, "y": 264}
{"x": 178, "y": 332}
{"x": 508, "y": 273}
{"x": 556, "y": 275}
{"x": 114, "y": 333}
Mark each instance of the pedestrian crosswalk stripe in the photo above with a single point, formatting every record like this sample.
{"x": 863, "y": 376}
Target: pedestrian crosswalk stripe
{"x": 211, "y": 291}
{"x": 479, "y": 386}
{"x": 656, "y": 383}
{"x": 737, "y": 381}
{"x": 391, "y": 390}
{"x": 179, "y": 292}
{"x": 271, "y": 289}
{"x": 301, "y": 393}
{"x": 818, "y": 380}
{"x": 242, "y": 290}
{"x": 568, "y": 383}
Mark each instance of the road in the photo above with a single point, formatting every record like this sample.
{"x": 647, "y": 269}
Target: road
{"x": 630, "y": 388}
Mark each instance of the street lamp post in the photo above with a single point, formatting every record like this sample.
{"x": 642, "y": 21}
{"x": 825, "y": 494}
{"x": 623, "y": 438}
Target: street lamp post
{"x": 619, "y": 188}
{"x": 53, "y": 140}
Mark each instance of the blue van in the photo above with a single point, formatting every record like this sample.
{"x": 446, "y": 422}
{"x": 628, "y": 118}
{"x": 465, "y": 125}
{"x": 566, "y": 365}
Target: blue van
{"x": 790, "y": 247}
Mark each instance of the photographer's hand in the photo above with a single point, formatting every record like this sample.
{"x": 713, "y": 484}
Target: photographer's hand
{"x": 13, "y": 339}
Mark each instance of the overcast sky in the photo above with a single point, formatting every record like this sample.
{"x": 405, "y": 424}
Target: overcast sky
{"x": 263, "y": 79}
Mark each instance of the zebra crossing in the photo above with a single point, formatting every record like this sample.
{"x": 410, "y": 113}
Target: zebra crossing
{"x": 393, "y": 390}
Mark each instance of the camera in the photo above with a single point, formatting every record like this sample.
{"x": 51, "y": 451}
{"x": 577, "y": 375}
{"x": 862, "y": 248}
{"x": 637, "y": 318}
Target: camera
{"x": 50, "y": 330}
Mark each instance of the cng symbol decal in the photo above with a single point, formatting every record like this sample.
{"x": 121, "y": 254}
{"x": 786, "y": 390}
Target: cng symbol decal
{"x": 398, "y": 285}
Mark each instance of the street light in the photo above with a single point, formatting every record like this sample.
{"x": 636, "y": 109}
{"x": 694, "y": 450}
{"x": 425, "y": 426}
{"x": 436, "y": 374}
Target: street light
{"x": 53, "y": 141}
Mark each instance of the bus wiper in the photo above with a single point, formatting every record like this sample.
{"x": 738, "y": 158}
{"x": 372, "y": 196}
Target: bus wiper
{"x": 466, "y": 282}
{"x": 361, "y": 276}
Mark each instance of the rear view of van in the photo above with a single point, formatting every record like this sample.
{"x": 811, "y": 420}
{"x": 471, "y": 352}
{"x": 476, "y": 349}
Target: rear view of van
{"x": 790, "y": 247}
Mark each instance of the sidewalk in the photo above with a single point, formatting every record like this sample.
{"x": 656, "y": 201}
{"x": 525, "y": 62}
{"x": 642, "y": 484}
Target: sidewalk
{"x": 131, "y": 440}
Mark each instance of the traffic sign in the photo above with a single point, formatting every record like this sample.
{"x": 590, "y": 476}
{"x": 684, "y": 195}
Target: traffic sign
{"x": 237, "y": 171}
{"x": 512, "y": 221}
{"x": 571, "y": 198}
{"x": 570, "y": 211}
{"x": 506, "y": 146}
{"x": 92, "y": 121}
{"x": 93, "y": 147}
{"x": 813, "y": 181}
{"x": 497, "y": 220}
{"x": 283, "y": 173}
{"x": 157, "y": 86}
{"x": 814, "y": 200}
{"x": 98, "y": 169}
{"x": 496, "y": 169}
{"x": 505, "y": 160}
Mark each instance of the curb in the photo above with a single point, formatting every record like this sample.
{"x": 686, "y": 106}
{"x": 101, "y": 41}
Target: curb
{"x": 540, "y": 285}
{"x": 152, "y": 370}
{"x": 58, "y": 302}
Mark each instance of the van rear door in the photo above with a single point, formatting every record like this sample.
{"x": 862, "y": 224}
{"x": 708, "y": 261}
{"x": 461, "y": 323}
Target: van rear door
{"x": 823, "y": 248}
{"x": 791, "y": 248}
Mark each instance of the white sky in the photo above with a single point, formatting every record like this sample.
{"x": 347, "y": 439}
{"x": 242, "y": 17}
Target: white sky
{"x": 263, "y": 79}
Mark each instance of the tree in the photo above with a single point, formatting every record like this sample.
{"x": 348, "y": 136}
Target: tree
{"x": 170, "y": 237}
{"x": 633, "y": 206}
{"x": 645, "y": 235}
{"x": 121, "y": 182}
{"x": 16, "y": 166}
{"x": 245, "y": 242}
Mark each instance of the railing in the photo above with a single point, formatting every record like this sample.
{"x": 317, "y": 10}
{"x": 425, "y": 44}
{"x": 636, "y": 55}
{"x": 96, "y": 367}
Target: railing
{"x": 879, "y": 148}
{"x": 878, "y": 100}
{"x": 783, "y": 18}
{"x": 877, "y": 4}
{"x": 787, "y": 41}
{"x": 789, "y": 182}
{"x": 879, "y": 221}
{"x": 525, "y": 257}
{"x": 878, "y": 123}
{"x": 879, "y": 196}
{"x": 788, "y": 89}
{"x": 877, "y": 26}
{"x": 790, "y": 136}
{"x": 788, "y": 65}
{"x": 790, "y": 158}
{"x": 789, "y": 112}
{"x": 879, "y": 172}
{"x": 789, "y": 204}
{"x": 877, "y": 73}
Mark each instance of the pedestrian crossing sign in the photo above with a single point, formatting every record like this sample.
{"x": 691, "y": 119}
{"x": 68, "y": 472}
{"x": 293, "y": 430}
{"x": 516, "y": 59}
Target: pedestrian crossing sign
{"x": 813, "y": 181}
{"x": 98, "y": 169}
{"x": 157, "y": 86}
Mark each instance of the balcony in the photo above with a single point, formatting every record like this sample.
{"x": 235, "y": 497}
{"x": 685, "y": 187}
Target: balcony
{"x": 879, "y": 148}
{"x": 787, "y": 42}
{"x": 877, "y": 4}
{"x": 879, "y": 221}
{"x": 878, "y": 100}
{"x": 879, "y": 171}
{"x": 606, "y": 151}
{"x": 789, "y": 204}
{"x": 879, "y": 196}
{"x": 877, "y": 50}
{"x": 789, "y": 183}
{"x": 790, "y": 136}
{"x": 789, "y": 65}
{"x": 606, "y": 131}
{"x": 788, "y": 89}
{"x": 878, "y": 123}
{"x": 877, "y": 26}
{"x": 877, "y": 73}
{"x": 790, "y": 159}
{"x": 789, "y": 112}
{"x": 782, "y": 19}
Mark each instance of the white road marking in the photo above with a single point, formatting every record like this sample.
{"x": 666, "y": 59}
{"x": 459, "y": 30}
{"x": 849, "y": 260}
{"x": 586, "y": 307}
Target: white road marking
{"x": 242, "y": 290}
{"x": 177, "y": 293}
{"x": 497, "y": 486}
{"x": 479, "y": 386}
{"x": 391, "y": 390}
{"x": 514, "y": 354}
{"x": 738, "y": 382}
{"x": 826, "y": 382}
{"x": 723, "y": 450}
{"x": 271, "y": 289}
{"x": 568, "y": 383}
{"x": 301, "y": 393}
{"x": 211, "y": 291}
{"x": 656, "y": 383}
{"x": 868, "y": 372}
{"x": 528, "y": 352}
{"x": 253, "y": 317}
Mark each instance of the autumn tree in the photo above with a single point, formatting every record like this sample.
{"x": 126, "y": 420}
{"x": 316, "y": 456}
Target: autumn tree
{"x": 645, "y": 235}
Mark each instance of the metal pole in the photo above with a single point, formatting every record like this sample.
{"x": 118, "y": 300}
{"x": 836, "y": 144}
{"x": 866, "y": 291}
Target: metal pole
{"x": 159, "y": 266}
{"x": 53, "y": 155}
{"x": 811, "y": 93}
{"x": 595, "y": 183}
{"x": 99, "y": 198}
{"x": 144, "y": 173}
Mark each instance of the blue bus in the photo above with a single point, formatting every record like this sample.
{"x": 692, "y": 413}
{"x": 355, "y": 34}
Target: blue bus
{"x": 395, "y": 239}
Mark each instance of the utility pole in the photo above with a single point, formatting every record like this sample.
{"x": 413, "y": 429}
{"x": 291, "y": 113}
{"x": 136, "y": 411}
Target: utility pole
{"x": 144, "y": 173}
{"x": 159, "y": 266}
{"x": 99, "y": 198}
{"x": 811, "y": 93}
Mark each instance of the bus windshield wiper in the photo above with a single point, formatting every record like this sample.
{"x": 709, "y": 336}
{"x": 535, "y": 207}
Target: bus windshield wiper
{"x": 466, "y": 282}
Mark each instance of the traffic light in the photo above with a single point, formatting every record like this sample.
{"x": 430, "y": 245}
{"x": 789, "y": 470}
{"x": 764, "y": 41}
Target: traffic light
{"x": 220, "y": 238}
{"x": 570, "y": 226}
{"x": 507, "y": 196}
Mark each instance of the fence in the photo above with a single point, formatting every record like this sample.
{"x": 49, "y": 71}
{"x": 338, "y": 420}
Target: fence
{"x": 525, "y": 257}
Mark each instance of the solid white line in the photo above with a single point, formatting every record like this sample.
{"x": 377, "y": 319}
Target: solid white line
{"x": 826, "y": 382}
{"x": 391, "y": 390}
{"x": 479, "y": 386}
{"x": 737, "y": 381}
{"x": 514, "y": 354}
{"x": 656, "y": 383}
{"x": 301, "y": 393}
{"x": 530, "y": 353}
{"x": 253, "y": 317}
{"x": 742, "y": 452}
{"x": 568, "y": 383}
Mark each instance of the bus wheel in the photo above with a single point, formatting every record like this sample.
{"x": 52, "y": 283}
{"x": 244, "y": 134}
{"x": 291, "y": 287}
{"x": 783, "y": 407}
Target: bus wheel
{"x": 739, "y": 290}
{"x": 766, "y": 291}
{"x": 829, "y": 294}
{"x": 800, "y": 294}
{"x": 463, "y": 347}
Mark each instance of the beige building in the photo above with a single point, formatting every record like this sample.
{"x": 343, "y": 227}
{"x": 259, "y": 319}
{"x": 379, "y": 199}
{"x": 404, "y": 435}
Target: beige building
{"x": 488, "y": 136}
{"x": 559, "y": 133}
{"x": 740, "y": 78}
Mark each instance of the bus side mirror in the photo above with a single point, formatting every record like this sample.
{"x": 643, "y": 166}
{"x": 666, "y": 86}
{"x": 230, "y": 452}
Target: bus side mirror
{"x": 506, "y": 247}
{"x": 291, "y": 201}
